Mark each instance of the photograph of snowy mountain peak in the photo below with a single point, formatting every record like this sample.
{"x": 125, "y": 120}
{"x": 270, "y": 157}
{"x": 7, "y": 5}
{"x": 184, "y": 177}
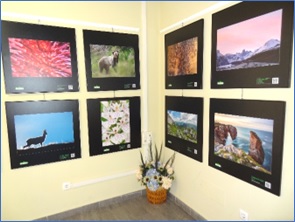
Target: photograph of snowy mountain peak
{"x": 236, "y": 49}
{"x": 252, "y": 48}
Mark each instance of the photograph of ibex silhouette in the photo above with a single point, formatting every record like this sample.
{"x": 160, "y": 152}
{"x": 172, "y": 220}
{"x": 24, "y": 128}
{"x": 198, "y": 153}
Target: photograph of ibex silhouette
{"x": 44, "y": 130}
{"x": 112, "y": 61}
{"x": 36, "y": 140}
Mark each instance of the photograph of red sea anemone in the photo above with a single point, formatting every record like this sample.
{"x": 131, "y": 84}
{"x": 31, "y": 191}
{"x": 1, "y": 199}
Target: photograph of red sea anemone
{"x": 39, "y": 58}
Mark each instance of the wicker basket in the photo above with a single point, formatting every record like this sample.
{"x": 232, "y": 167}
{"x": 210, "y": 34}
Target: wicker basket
{"x": 156, "y": 197}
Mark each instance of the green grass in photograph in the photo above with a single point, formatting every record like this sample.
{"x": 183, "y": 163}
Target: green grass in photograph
{"x": 124, "y": 68}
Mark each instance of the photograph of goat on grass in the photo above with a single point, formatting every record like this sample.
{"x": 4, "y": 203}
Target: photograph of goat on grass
{"x": 112, "y": 61}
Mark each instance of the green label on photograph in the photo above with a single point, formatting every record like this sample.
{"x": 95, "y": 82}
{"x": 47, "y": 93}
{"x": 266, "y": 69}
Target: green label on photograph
{"x": 257, "y": 180}
{"x": 218, "y": 165}
{"x": 24, "y": 163}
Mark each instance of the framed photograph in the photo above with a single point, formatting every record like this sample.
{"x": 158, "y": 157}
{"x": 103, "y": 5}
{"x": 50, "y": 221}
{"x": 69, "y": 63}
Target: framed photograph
{"x": 246, "y": 140}
{"x": 114, "y": 124}
{"x": 184, "y": 125}
{"x": 39, "y": 58}
{"x": 252, "y": 48}
{"x": 184, "y": 57}
{"x": 43, "y": 132}
{"x": 112, "y": 61}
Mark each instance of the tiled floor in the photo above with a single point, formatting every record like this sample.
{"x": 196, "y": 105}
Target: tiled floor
{"x": 135, "y": 207}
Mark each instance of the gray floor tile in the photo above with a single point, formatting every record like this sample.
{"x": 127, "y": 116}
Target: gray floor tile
{"x": 137, "y": 208}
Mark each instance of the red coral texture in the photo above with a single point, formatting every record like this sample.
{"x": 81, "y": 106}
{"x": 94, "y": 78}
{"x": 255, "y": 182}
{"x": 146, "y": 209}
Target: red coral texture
{"x": 39, "y": 58}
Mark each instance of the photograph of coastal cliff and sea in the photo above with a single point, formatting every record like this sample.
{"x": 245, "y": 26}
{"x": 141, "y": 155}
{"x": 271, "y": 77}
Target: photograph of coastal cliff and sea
{"x": 244, "y": 140}
{"x": 247, "y": 139}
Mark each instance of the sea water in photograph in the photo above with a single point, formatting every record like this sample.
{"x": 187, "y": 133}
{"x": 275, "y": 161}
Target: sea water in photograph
{"x": 112, "y": 61}
{"x": 244, "y": 140}
{"x": 182, "y": 125}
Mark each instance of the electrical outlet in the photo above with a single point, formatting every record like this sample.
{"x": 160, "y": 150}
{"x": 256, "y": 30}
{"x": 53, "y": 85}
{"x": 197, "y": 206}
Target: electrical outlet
{"x": 66, "y": 185}
{"x": 243, "y": 215}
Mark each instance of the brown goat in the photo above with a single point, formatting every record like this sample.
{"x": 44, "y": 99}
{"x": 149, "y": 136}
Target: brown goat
{"x": 107, "y": 61}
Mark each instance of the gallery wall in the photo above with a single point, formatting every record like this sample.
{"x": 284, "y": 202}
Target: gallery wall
{"x": 34, "y": 192}
{"x": 210, "y": 192}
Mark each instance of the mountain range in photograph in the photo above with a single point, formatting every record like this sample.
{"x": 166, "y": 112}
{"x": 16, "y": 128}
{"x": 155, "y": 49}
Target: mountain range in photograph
{"x": 182, "y": 125}
{"x": 266, "y": 55}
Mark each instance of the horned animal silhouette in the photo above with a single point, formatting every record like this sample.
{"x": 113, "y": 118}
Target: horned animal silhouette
{"x": 36, "y": 140}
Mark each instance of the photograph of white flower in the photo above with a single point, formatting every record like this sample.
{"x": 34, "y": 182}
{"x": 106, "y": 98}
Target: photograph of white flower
{"x": 115, "y": 122}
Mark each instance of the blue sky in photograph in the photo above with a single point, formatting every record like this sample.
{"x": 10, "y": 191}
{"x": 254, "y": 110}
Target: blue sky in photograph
{"x": 245, "y": 121}
{"x": 59, "y": 127}
{"x": 183, "y": 117}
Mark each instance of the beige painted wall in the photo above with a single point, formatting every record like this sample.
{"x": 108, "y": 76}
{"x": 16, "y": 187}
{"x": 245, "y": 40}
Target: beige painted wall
{"x": 216, "y": 195}
{"x": 35, "y": 192}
